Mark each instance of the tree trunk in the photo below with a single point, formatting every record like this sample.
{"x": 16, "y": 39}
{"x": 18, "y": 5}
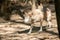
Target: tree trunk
{"x": 57, "y": 6}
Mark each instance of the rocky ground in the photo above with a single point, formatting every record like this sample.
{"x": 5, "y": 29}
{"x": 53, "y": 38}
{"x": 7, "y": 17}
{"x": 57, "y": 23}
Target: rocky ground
{"x": 18, "y": 30}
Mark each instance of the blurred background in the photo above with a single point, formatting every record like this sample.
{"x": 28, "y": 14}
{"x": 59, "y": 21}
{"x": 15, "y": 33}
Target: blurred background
{"x": 12, "y": 26}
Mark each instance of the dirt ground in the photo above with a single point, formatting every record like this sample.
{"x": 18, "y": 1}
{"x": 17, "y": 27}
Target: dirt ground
{"x": 18, "y": 31}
